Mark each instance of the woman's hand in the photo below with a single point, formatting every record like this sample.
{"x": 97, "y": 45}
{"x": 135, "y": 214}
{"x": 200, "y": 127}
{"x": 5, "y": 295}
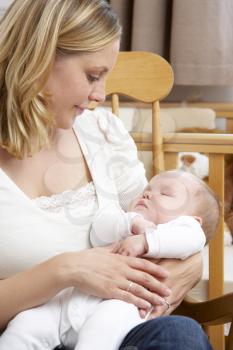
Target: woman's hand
{"x": 183, "y": 275}
{"x": 99, "y": 272}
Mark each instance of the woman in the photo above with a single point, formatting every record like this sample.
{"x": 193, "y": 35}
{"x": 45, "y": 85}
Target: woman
{"x": 60, "y": 163}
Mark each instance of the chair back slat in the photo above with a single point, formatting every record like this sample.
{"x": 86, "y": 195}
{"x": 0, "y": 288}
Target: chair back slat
{"x": 135, "y": 70}
{"x": 148, "y": 78}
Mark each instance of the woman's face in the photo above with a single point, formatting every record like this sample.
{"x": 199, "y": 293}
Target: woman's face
{"x": 78, "y": 79}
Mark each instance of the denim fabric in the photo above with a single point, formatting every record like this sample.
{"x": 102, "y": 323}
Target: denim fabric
{"x": 167, "y": 333}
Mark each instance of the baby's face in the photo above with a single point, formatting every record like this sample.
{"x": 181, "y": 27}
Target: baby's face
{"x": 167, "y": 196}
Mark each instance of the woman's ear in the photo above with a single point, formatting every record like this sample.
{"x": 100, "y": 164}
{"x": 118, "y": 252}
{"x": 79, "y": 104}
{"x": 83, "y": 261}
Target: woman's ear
{"x": 199, "y": 219}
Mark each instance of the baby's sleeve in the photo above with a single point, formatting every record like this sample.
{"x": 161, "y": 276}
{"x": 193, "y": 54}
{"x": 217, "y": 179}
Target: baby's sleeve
{"x": 110, "y": 224}
{"x": 179, "y": 238}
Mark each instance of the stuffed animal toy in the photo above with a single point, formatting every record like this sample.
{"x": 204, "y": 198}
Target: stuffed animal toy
{"x": 195, "y": 163}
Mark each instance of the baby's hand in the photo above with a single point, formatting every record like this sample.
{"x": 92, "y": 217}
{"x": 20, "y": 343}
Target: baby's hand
{"x": 139, "y": 225}
{"x": 132, "y": 246}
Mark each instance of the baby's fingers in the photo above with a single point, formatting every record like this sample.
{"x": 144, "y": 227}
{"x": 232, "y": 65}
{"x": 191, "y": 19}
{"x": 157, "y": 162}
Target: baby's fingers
{"x": 115, "y": 248}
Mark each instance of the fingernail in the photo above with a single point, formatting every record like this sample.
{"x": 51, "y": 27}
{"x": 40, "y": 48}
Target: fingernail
{"x": 168, "y": 291}
{"x": 161, "y": 301}
{"x": 147, "y": 306}
{"x": 143, "y": 313}
{"x": 166, "y": 273}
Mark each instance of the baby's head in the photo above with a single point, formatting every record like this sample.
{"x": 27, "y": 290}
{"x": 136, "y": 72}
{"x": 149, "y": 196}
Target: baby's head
{"x": 174, "y": 193}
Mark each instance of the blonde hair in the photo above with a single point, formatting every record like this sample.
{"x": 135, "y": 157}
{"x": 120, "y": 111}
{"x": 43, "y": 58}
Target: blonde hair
{"x": 32, "y": 34}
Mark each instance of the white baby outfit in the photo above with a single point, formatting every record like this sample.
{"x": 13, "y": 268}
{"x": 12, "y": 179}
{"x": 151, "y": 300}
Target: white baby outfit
{"x": 178, "y": 238}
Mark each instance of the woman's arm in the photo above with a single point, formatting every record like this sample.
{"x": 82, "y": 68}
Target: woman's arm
{"x": 94, "y": 271}
{"x": 183, "y": 275}
{"x": 29, "y": 289}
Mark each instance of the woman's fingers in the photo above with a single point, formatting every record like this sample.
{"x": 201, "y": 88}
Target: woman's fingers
{"x": 162, "y": 310}
{"x": 101, "y": 273}
{"x": 133, "y": 292}
{"x": 143, "y": 293}
{"x": 139, "y": 296}
{"x": 132, "y": 299}
{"x": 148, "y": 267}
{"x": 143, "y": 283}
{"x": 148, "y": 275}
{"x": 149, "y": 283}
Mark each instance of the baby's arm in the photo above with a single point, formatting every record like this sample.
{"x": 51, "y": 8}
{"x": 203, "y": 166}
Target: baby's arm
{"x": 138, "y": 224}
{"x": 136, "y": 243}
{"x": 179, "y": 238}
{"x": 110, "y": 224}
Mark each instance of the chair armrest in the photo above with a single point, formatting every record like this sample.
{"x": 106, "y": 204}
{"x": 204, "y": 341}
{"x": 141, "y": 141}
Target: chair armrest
{"x": 210, "y": 312}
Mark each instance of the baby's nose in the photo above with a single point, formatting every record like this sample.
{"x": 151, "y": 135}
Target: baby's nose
{"x": 147, "y": 195}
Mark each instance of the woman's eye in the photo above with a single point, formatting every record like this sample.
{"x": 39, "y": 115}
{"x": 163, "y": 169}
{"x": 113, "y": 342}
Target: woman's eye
{"x": 92, "y": 78}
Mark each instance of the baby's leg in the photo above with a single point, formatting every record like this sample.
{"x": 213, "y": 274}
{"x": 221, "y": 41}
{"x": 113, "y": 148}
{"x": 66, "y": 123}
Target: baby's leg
{"x": 33, "y": 329}
{"x": 107, "y": 325}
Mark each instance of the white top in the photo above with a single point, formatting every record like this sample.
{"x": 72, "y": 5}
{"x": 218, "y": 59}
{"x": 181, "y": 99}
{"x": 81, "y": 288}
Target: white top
{"x": 29, "y": 234}
{"x": 71, "y": 200}
{"x": 177, "y": 238}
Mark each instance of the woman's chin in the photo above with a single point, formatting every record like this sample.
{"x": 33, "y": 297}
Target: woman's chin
{"x": 67, "y": 124}
{"x": 78, "y": 111}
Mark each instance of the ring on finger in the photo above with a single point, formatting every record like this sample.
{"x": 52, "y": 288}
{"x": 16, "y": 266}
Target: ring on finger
{"x": 166, "y": 303}
{"x": 130, "y": 286}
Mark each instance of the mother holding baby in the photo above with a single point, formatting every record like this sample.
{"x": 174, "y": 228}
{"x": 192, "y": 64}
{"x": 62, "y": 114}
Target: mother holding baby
{"x": 59, "y": 164}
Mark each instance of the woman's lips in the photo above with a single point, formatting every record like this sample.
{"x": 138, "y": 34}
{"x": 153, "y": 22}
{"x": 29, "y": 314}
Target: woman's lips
{"x": 79, "y": 110}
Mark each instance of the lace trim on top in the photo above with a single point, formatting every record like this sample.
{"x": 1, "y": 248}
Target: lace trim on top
{"x": 55, "y": 203}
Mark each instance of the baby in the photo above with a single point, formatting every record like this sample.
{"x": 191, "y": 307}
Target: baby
{"x": 174, "y": 217}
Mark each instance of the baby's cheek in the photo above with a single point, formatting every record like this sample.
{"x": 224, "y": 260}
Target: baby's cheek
{"x": 151, "y": 215}
{"x": 133, "y": 204}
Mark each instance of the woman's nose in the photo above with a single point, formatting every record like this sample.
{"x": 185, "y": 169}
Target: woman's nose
{"x": 98, "y": 93}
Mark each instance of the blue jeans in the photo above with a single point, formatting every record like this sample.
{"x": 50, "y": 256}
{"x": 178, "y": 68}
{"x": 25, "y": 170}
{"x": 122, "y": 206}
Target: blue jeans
{"x": 167, "y": 333}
